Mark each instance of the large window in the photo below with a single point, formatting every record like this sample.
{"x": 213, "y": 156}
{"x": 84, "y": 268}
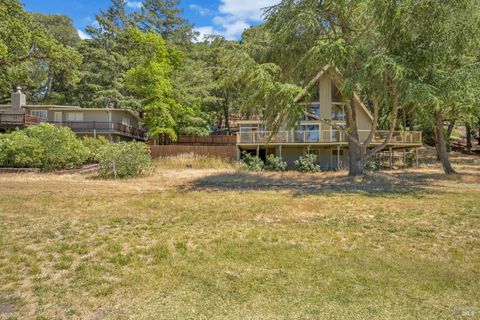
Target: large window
{"x": 75, "y": 116}
{"x": 307, "y": 133}
{"x": 338, "y": 111}
{"x": 312, "y": 134}
{"x": 40, "y": 113}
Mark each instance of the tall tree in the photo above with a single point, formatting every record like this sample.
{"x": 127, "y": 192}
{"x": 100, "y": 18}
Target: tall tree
{"x": 61, "y": 77}
{"x": 150, "y": 79}
{"x": 105, "y": 61}
{"x": 438, "y": 41}
{"x": 164, "y": 17}
{"x": 28, "y": 53}
{"x": 60, "y": 27}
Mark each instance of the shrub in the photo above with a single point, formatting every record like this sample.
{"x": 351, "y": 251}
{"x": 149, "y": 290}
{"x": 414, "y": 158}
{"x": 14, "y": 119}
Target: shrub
{"x": 93, "y": 145}
{"x": 61, "y": 147}
{"x": 275, "y": 163}
{"x": 410, "y": 160}
{"x": 370, "y": 166}
{"x": 307, "y": 163}
{"x": 251, "y": 162}
{"x": 19, "y": 151}
{"x": 124, "y": 160}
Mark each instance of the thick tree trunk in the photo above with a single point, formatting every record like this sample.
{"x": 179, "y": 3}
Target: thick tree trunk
{"x": 468, "y": 135}
{"x": 355, "y": 164}
{"x": 442, "y": 144}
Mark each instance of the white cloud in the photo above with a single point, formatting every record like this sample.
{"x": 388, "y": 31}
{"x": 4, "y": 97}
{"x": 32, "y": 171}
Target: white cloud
{"x": 235, "y": 29}
{"x": 205, "y": 31}
{"x": 235, "y": 16}
{"x": 201, "y": 10}
{"x": 83, "y": 35}
{"x": 134, "y": 4}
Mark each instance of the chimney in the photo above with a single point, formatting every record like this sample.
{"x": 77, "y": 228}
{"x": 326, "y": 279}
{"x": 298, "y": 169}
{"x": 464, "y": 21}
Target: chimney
{"x": 18, "y": 99}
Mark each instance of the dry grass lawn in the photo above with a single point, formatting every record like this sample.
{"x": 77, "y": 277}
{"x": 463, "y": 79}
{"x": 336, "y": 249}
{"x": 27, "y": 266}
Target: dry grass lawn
{"x": 221, "y": 244}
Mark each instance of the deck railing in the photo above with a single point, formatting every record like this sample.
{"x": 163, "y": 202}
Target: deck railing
{"x": 324, "y": 136}
{"x": 99, "y": 126}
{"x": 11, "y": 119}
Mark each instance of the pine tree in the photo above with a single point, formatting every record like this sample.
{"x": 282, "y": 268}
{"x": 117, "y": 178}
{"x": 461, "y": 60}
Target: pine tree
{"x": 164, "y": 18}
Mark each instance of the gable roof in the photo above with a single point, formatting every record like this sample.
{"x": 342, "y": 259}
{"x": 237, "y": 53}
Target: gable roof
{"x": 334, "y": 74}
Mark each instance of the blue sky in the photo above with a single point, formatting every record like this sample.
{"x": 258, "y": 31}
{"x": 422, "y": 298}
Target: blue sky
{"x": 223, "y": 17}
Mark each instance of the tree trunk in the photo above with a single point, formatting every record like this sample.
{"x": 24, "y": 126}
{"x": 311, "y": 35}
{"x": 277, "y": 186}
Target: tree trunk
{"x": 355, "y": 164}
{"x": 442, "y": 144}
{"x": 226, "y": 114}
{"x": 451, "y": 125}
{"x": 404, "y": 118}
{"x": 437, "y": 145}
{"x": 468, "y": 131}
{"x": 48, "y": 89}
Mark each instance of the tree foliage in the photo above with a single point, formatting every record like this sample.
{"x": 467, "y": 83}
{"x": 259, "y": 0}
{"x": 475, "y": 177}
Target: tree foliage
{"x": 31, "y": 56}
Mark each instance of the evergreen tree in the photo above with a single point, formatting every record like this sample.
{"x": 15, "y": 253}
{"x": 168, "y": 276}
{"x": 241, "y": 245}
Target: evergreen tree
{"x": 164, "y": 18}
{"x": 105, "y": 61}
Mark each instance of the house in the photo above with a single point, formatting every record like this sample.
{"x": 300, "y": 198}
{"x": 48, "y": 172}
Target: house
{"x": 318, "y": 137}
{"x": 114, "y": 124}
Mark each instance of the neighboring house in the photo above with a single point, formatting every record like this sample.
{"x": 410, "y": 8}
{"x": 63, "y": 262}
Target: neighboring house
{"x": 114, "y": 124}
{"x": 317, "y": 137}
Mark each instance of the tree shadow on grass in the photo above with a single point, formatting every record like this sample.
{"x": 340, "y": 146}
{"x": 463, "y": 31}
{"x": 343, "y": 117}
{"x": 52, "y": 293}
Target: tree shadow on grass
{"x": 377, "y": 184}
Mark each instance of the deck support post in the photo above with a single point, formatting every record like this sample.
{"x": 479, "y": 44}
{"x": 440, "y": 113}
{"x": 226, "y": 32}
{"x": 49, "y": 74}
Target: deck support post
{"x": 94, "y": 133}
{"x": 404, "y": 158}
{"x": 280, "y": 151}
{"x": 416, "y": 157}
{"x": 258, "y": 150}
{"x": 338, "y": 157}
{"x": 391, "y": 158}
{"x": 239, "y": 154}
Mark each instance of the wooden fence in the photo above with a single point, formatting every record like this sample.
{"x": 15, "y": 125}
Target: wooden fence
{"x": 214, "y": 151}
{"x": 208, "y": 140}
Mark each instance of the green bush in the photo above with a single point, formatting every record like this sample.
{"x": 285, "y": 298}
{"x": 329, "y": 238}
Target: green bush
{"x": 274, "y": 163}
{"x": 17, "y": 150}
{"x": 410, "y": 159}
{"x": 124, "y": 160}
{"x": 61, "y": 147}
{"x": 251, "y": 162}
{"x": 93, "y": 145}
{"x": 307, "y": 163}
{"x": 370, "y": 166}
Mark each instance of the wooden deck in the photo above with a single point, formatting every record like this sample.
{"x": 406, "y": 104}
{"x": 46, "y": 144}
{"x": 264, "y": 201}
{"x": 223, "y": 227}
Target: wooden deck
{"x": 80, "y": 127}
{"x": 22, "y": 120}
{"x": 98, "y": 127}
{"x": 324, "y": 137}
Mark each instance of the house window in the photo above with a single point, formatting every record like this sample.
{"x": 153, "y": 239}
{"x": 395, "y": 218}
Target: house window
{"x": 315, "y": 109}
{"x": 312, "y": 133}
{"x": 338, "y": 111}
{"x": 75, "y": 116}
{"x": 40, "y": 113}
